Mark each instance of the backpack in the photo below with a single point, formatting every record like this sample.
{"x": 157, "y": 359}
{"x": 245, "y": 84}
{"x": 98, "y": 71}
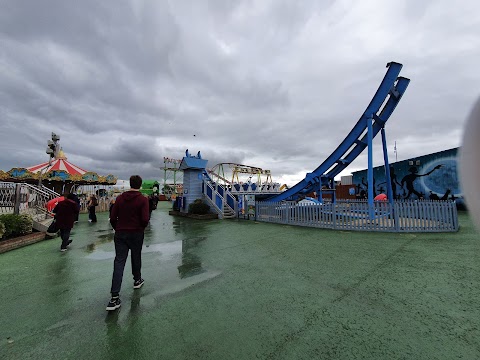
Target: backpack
{"x": 95, "y": 202}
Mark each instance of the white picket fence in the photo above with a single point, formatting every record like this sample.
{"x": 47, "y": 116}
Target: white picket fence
{"x": 401, "y": 216}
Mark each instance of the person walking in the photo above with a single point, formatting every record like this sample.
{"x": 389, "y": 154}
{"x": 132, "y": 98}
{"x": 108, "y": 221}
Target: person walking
{"x": 110, "y": 207}
{"x": 77, "y": 200}
{"x": 129, "y": 218}
{"x": 65, "y": 213}
{"x": 92, "y": 203}
{"x": 152, "y": 203}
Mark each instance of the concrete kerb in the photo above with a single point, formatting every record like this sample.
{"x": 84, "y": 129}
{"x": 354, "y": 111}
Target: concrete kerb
{"x": 18, "y": 242}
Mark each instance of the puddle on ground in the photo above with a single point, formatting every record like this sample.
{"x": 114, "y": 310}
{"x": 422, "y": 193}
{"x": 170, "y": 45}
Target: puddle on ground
{"x": 167, "y": 251}
{"x": 152, "y": 297}
{"x": 102, "y": 239}
{"x": 177, "y": 259}
{"x": 179, "y": 265}
{"x": 191, "y": 265}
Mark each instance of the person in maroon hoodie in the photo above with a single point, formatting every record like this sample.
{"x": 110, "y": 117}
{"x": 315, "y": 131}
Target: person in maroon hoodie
{"x": 66, "y": 212}
{"x": 129, "y": 218}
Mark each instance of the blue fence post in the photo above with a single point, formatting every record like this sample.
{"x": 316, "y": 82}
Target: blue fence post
{"x": 370, "y": 166}
{"x": 388, "y": 179}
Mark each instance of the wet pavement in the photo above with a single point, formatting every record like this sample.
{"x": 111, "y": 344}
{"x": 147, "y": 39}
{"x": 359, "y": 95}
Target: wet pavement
{"x": 238, "y": 289}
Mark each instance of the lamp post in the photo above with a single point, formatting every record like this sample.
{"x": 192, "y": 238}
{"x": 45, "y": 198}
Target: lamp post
{"x": 52, "y": 151}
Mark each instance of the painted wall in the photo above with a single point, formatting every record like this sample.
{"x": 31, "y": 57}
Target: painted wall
{"x": 428, "y": 176}
{"x": 192, "y": 186}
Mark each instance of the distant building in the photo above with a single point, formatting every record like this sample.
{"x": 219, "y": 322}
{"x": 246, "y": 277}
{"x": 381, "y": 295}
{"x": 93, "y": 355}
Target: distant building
{"x": 432, "y": 176}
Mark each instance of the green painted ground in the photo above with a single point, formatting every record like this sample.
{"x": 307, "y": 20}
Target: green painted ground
{"x": 243, "y": 290}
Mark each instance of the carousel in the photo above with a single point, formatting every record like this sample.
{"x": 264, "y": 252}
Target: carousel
{"x": 57, "y": 174}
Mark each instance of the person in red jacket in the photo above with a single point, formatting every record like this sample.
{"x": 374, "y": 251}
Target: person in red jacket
{"x": 66, "y": 212}
{"x": 129, "y": 218}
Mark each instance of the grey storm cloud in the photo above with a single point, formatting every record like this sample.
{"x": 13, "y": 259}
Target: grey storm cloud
{"x": 272, "y": 84}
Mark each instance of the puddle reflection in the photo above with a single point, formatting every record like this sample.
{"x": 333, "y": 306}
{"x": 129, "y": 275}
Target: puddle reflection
{"x": 175, "y": 259}
{"x": 176, "y": 250}
{"x": 124, "y": 337}
{"x": 102, "y": 239}
{"x": 191, "y": 262}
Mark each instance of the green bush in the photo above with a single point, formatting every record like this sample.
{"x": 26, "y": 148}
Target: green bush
{"x": 2, "y": 229}
{"x": 198, "y": 207}
{"x": 16, "y": 225}
{"x": 26, "y": 224}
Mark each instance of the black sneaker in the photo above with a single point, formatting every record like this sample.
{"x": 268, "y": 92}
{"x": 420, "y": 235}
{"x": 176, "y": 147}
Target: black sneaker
{"x": 114, "y": 304}
{"x": 137, "y": 284}
{"x": 63, "y": 249}
{"x": 69, "y": 241}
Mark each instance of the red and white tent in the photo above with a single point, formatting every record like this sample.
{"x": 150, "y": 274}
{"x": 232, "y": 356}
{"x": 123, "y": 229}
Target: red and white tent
{"x": 60, "y": 163}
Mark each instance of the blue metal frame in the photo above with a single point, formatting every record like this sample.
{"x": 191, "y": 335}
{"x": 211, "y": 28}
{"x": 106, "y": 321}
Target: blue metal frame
{"x": 392, "y": 86}
{"x": 371, "y": 209}
{"x": 388, "y": 179}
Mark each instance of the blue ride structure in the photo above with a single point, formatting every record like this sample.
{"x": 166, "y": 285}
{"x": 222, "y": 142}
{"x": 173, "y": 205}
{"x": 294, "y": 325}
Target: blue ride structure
{"x": 361, "y": 136}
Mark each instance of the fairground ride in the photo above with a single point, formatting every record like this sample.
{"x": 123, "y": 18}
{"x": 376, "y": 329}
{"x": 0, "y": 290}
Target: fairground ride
{"x": 170, "y": 169}
{"x": 371, "y": 122}
{"x": 232, "y": 173}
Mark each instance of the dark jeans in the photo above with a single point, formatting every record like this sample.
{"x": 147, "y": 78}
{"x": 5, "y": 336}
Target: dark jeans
{"x": 64, "y": 234}
{"x": 91, "y": 214}
{"x": 125, "y": 241}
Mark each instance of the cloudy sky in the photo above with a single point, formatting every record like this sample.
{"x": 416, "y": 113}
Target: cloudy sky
{"x": 274, "y": 84}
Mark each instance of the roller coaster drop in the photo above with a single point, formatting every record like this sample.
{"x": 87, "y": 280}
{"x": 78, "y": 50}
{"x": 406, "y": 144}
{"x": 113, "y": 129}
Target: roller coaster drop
{"x": 282, "y": 207}
{"x": 371, "y": 122}
{"x": 368, "y": 126}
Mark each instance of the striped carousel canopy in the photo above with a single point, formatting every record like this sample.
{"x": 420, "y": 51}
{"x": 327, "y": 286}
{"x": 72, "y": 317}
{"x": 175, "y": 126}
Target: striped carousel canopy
{"x": 59, "y": 163}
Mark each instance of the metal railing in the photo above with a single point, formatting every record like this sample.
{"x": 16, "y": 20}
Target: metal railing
{"x": 46, "y": 190}
{"x": 222, "y": 200}
{"x": 253, "y": 188}
{"x": 401, "y": 216}
{"x": 103, "y": 204}
{"x": 19, "y": 197}
{"x": 22, "y": 198}
{"x": 7, "y": 197}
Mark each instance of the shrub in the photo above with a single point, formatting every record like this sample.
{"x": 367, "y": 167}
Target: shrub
{"x": 198, "y": 207}
{"x": 16, "y": 225}
{"x": 26, "y": 224}
{"x": 2, "y": 229}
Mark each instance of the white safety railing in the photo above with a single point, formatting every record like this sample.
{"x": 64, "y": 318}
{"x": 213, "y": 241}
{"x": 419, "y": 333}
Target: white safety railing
{"x": 222, "y": 201}
{"x": 401, "y": 216}
{"x": 22, "y": 198}
{"x": 103, "y": 204}
{"x": 45, "y": 190}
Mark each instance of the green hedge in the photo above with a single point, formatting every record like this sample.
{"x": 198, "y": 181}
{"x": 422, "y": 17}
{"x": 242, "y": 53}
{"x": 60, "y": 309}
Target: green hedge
{"x": 2, "y": 229}
{"x": 12, "y": 225}
{"x": 198, "y": 207}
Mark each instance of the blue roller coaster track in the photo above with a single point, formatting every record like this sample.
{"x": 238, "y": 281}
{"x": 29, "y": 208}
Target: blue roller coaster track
{"x": 368, "y": 126}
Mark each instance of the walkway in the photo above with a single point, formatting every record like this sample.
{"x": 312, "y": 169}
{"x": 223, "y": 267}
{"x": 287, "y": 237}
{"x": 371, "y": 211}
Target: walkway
{"x": 243, "y": 290}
